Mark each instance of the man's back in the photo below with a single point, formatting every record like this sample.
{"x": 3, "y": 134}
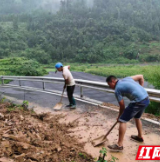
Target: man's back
{"x": 67, "y": 75}
{"x": 129, "y": 88}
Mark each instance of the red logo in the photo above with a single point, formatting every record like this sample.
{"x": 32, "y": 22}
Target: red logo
{"x": 148, "y": 153}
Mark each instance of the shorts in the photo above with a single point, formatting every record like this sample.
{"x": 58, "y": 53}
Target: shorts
{"x": 134, "y": 110}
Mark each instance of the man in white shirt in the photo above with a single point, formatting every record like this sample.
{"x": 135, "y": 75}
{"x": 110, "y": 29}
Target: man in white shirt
{"x": 69, "y": 83}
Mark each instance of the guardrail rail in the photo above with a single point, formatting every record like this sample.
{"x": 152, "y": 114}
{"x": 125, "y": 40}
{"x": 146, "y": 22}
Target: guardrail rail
{"x": 154, "y": 94}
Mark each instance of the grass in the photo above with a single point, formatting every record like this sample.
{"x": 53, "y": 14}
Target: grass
{"x": 50, "y": 69}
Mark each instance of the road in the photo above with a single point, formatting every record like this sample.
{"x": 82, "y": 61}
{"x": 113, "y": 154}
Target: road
{"x": 47, "y": 100}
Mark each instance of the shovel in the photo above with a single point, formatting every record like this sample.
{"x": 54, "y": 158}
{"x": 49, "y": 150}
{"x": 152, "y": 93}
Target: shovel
{"x": 102, "y": 139}
{"x": 59, "y": 105}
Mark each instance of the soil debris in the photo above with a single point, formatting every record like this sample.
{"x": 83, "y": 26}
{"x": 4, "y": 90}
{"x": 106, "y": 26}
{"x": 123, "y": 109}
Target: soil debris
{"x": 26, "y": 136}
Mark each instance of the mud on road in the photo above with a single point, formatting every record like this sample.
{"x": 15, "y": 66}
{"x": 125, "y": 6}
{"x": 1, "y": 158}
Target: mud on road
{"x": 64, "y": 136}
{"x": 26, "y": 136}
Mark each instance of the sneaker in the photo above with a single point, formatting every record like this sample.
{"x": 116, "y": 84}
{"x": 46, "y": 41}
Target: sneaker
{"x": 115, "y": 148}
{"x": 73, "y": 107}
{"x": 136, "y": 138}
{"x": 69, "y": 105}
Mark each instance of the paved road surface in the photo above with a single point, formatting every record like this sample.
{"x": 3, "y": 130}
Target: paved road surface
{"x": 46, "y": 100}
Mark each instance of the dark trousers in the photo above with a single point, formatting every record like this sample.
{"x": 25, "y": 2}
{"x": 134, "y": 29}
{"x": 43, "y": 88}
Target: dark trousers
{"x": 70, "y": 91}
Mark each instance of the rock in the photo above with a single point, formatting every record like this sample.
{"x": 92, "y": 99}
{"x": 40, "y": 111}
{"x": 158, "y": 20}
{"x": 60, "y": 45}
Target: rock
{"x": 20, "y": 158}
{"x": 21, "y": 117}
{"x": 4, "y": 159}
{"x": 1, "y": 116}
{"x": 5, "y": 144}
{"x": 34, "y": 157}
{"x": 25, "y": 146}
{"x": 41, "y": 152}
{"x": 29, "y": 160}
{"x": 72, "y": 149}
{"x": 59, "y": 149}
{"x": 8, "y": 136}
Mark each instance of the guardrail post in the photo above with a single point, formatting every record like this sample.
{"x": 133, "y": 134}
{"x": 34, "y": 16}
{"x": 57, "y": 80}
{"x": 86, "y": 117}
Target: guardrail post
{"x": 43, "y": 85}
{"x": 81, "y": 92}
{"x": 19, "y": 83}
{"x": 2, "y": 80}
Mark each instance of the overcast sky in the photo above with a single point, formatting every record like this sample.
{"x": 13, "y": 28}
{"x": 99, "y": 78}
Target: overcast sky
{"x": 54, "y": 5}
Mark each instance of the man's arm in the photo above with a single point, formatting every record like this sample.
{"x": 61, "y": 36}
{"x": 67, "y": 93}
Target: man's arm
{"x": 65, "y": 83}
{"x": 138, "y": 78}
{"x": 121, "y": 102}
{"x": 121, "y": 109}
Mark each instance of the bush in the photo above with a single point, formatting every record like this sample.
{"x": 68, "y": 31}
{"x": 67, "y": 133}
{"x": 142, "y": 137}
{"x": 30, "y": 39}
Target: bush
{"x": 150, "y": 58}
{"x": 153, "y": 108}
{"x": 30, "y": 69}
{"x": 21, "y": 66}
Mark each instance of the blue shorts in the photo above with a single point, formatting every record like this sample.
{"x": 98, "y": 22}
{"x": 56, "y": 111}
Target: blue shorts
{"x": 134, "y": 110}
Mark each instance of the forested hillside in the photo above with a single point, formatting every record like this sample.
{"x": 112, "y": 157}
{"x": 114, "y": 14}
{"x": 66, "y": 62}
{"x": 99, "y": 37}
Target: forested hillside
{"x": 121, "y": 31}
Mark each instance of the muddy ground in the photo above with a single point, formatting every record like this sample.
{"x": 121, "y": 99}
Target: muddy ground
{"x": 64, "y": 136}
{"x": 26, "y": 137}
{"x": 96, "y": 121}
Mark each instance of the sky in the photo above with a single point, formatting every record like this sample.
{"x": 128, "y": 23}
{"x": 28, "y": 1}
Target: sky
{"x": 56, "y": 4}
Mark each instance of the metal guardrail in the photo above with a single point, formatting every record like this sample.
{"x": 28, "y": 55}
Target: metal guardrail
{"x": 154, "y": 94}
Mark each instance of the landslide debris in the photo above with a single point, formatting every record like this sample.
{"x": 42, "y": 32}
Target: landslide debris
{"x": 29, "y": 137}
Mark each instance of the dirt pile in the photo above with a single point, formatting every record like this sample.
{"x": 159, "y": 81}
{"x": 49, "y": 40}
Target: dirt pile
{"x": 26, "y": 137}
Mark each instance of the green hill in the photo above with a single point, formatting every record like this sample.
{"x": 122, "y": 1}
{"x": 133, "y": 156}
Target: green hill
{"x": 110, "y": 31}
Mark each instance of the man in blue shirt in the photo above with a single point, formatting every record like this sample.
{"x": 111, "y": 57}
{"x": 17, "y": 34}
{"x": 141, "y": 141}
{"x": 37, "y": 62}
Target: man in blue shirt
{"x": 138, "y": 96}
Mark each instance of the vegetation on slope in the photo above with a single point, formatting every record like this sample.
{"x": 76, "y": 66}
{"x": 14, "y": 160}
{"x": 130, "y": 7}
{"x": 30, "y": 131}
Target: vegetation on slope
{"x": 107, "y": 31}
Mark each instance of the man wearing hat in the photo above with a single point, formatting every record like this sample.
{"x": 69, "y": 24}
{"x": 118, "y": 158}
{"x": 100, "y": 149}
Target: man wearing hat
{"x": 69, "y": 83}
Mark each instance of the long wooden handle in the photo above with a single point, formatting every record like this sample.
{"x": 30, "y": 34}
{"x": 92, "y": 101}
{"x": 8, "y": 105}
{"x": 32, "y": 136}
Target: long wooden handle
{"x": 110, "y": 129}
{"x": 62, "y": 94}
